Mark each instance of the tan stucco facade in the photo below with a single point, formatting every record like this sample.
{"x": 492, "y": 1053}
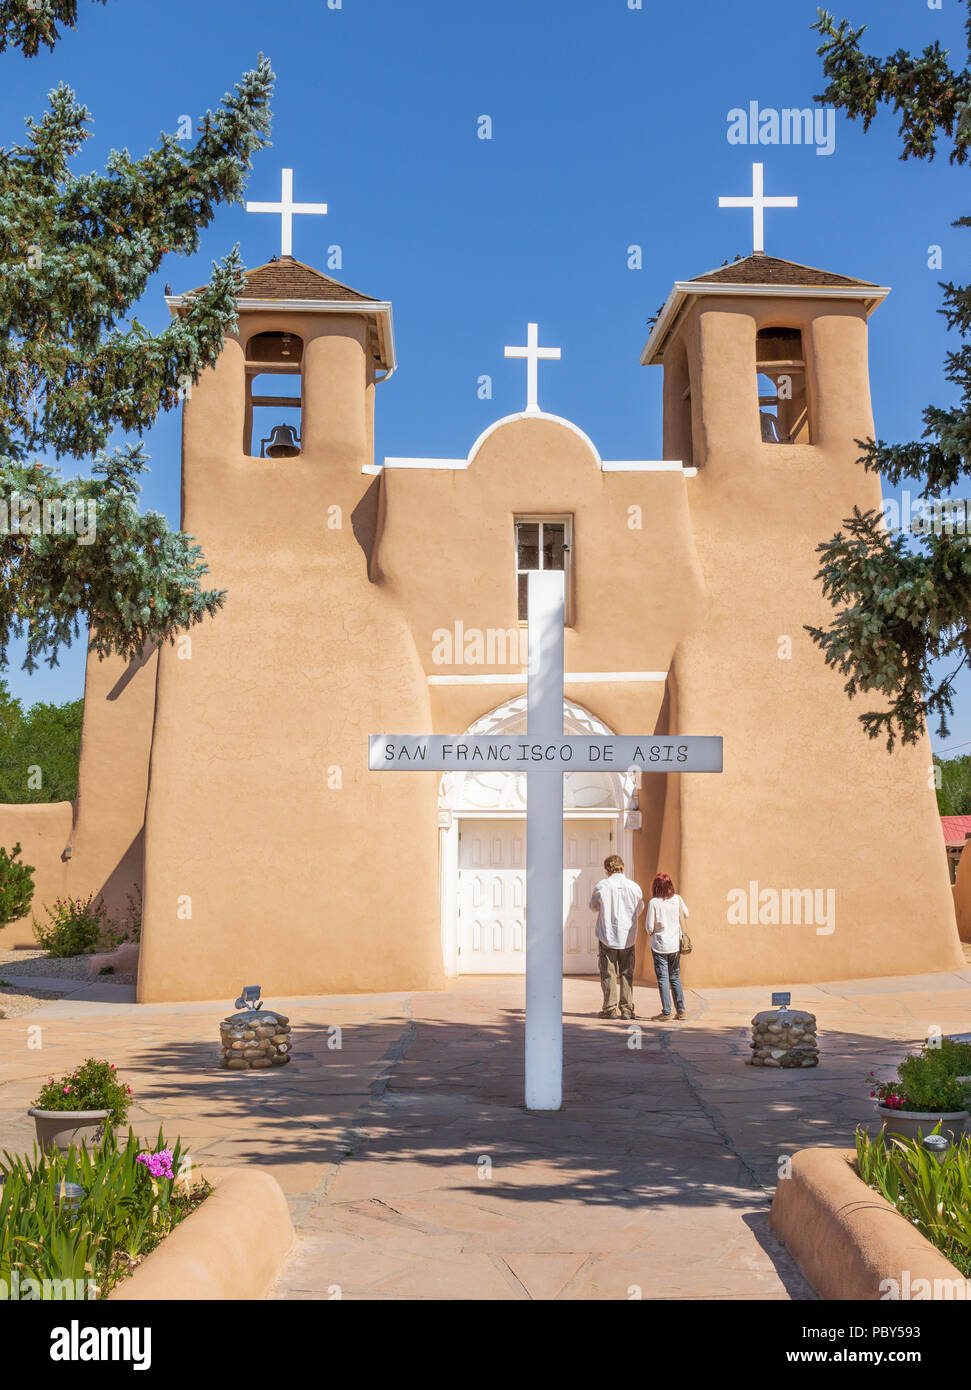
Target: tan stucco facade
{"x": 230, "y": 774}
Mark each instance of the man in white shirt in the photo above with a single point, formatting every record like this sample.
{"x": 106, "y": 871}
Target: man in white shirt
{"x": 618, "y": 902}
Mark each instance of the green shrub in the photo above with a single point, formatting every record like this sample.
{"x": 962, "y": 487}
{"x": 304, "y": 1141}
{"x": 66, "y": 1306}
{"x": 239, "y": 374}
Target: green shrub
{"x": 131, "y": 926}
{"x": 76, "y": 926}
{"x": 94, "y": 1085}
{"x": 16, "y": 886}
{"x": 930, "y": 1078}
{"x": 125, "y": 1212}
{"x": 80, "y": 926}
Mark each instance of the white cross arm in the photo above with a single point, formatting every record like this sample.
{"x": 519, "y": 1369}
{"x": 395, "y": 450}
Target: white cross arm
{"x": 522, "y": 753}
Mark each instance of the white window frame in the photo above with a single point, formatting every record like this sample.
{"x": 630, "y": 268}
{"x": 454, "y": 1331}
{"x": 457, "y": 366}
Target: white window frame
{"x": 566, "y": 521}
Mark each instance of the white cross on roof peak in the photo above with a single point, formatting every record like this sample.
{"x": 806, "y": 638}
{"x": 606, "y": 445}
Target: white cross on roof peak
{"x": 287, "y": 209}
{"x": 758, "y": 202}
{"x": 533, "y": 353}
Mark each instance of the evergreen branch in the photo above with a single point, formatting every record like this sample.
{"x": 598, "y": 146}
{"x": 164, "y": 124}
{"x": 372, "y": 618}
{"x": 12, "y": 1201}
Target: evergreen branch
{"x": 27, "y": 24}
{"x": 899, "y": 611}
{"x": 132, "y": 579}
{"x": 77, "y": 253}
{"x": 928, "y": 95}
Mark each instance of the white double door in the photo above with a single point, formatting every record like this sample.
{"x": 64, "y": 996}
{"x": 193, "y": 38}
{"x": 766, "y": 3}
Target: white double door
{"x": 492, "y": 894}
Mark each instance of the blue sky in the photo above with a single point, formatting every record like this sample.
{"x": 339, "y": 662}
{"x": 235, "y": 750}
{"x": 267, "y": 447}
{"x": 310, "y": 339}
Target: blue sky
{"x": 609, "y": 129}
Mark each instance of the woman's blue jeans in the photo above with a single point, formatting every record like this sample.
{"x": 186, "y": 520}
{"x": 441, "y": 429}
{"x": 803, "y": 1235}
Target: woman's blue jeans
{"x": 668, "y": 969}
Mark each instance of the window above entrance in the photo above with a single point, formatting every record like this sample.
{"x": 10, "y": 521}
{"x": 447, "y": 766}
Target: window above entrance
{"x": 543, "y": 543}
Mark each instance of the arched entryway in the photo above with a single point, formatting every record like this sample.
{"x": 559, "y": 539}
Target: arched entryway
{"x": 482, "y": 845}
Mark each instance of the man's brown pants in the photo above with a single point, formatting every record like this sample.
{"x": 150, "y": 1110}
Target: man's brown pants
{"x": 617, "y": 967}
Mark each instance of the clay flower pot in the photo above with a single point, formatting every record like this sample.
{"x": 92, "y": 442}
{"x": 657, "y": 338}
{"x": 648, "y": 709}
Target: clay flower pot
{"x": 61, "y": 1129}
{"x": 906, "y": 1123}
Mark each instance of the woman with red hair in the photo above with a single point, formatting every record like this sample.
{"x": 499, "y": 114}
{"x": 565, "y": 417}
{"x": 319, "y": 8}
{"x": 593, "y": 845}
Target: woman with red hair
{"x": 664, "y": 913}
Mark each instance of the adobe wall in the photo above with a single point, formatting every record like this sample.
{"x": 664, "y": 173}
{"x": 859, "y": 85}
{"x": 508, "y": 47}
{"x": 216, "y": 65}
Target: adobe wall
{"x": 636, "y": 587}
{"x": 103, "y": 826}
{"x": 294, "y": 880}
{"x": 42, "y": 831}
{"x": 806, "y": 799}
{"x": 116, "y": 741}
{"x": 961, "y": 893}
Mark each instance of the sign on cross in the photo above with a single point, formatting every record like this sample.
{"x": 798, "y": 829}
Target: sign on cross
{"x": 544, "y": 753}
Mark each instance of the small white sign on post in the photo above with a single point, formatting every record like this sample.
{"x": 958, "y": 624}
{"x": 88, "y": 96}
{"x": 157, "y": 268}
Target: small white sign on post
{"x": 545, "y": 753}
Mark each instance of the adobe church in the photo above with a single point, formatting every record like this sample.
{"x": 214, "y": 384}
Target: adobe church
{"x": 227, "y": 774}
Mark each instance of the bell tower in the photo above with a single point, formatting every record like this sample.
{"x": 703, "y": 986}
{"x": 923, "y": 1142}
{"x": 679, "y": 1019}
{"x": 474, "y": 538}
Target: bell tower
{"x": 766, "y": 391}
{"x": 260, "y": 813}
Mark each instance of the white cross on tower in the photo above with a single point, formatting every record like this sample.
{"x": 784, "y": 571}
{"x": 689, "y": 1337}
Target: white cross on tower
{"x": 286, "y": 207}
{"x": 532, "y": 353}
{"x": 758, "y": 203}
{"x": 544, "y": 752}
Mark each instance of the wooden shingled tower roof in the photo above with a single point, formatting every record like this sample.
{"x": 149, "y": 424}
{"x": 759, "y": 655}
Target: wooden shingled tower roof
{"x": 290, "y": 285}
{"x": 287, "y": 278}
{"x": 760, "y": 269}
{"x": 755, "y": 275}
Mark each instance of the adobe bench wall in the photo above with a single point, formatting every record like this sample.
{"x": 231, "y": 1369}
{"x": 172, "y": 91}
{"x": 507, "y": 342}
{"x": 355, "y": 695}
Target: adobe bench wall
{"x": 845, "y": 1237}
{"x": 231, "y": 1247}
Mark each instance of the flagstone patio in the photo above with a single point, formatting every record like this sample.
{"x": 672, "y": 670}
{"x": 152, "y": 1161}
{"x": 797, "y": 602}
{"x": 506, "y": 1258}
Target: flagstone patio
{"x": 413, "y": 1170}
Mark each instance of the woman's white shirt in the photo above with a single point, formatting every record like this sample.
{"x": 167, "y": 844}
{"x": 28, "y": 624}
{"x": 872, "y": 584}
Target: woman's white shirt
{"x": 664, "y": 923}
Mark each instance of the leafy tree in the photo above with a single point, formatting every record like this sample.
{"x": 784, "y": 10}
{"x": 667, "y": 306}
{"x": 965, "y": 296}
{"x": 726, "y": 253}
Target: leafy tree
{"x": 46, "y": 738}
{"x": 16, "y": 886}
{"x": 904, "y": 603}
{"x": 76, "y": 252}
{"x": 954, "y": 793}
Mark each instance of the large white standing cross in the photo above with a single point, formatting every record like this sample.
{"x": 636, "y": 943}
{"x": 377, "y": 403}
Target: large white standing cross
{"x": 545, "y": 753}
{"x": 758, "y": 203}
{"x": 532, "y": 353}
{"x": 286, "y": 207}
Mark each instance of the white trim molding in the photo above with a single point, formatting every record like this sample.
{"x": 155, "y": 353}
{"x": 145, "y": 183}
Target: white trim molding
{"x": 684, "y": 290}
{"x": 376, "y": 309}
{"x": 605, "y": 466}
{"x": 570, "y": 678}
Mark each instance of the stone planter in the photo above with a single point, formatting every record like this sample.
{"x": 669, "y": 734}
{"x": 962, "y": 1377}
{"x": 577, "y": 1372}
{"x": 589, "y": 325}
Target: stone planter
{"x": 906, "y": 1123}
{"x": 784, "y": 1038}
{"x": 62, "y": 1129}
{"x": 254, "y": 1040}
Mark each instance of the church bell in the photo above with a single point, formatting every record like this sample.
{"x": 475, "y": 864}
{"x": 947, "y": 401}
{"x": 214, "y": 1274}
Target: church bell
{"x": 283, "y": 443}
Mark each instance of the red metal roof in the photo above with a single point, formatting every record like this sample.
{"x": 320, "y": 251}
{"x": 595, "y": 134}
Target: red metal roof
{"x": 956, "y": 829}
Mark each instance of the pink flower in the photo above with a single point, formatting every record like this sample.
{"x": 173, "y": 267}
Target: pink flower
{"x": 66, "y": 1089}
{"x": 159, "y": 1165}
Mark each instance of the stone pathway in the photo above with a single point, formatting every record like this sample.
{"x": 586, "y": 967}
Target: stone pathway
{"x": 413, "y": 1171}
